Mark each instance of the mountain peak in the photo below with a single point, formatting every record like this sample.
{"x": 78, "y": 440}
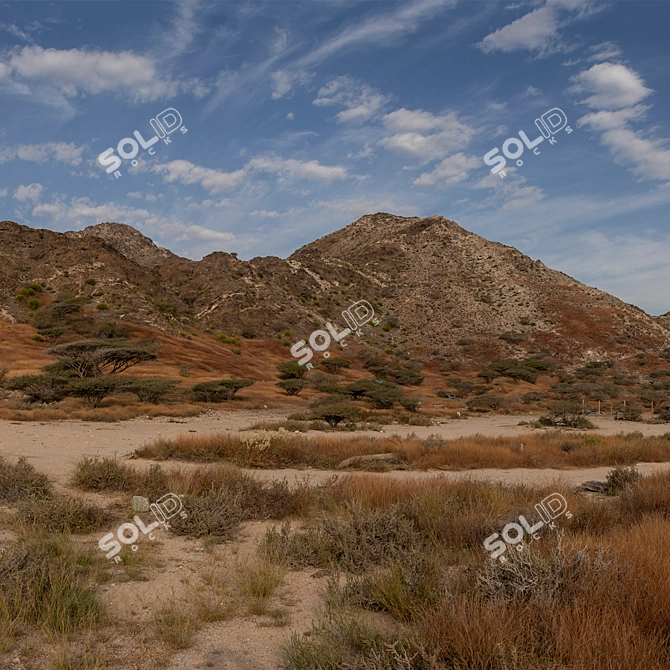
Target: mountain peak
{"x": 128, "y": 241}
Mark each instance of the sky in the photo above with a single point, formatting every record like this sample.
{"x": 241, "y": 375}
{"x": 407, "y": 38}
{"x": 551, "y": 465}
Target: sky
{"x": 258, "y": 127}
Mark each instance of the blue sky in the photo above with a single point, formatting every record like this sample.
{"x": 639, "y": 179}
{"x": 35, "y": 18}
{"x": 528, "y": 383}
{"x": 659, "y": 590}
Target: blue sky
{"x": 299, "y": 117}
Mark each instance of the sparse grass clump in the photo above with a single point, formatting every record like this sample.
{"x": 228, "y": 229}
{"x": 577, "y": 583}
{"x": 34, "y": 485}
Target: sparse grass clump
{"x": 108, "y": 474}
{"x": 175, "y": 625}
{"x": 23, "y": 482}
{"x": 257, "y": 579}
{"x": 46, "y": 580}
{"x": 63, "y": 514}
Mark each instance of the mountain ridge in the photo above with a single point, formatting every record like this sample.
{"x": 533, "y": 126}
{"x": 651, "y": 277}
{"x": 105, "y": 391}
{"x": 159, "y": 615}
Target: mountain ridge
{"x": 440, "y": 290}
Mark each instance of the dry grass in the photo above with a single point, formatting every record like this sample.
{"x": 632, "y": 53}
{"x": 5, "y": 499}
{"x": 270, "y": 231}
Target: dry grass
{"x": 555, "y": 449}
{"x": 22, "y": 481}
{"x": 257, "y": 579}
{"x": 108, "y": 412}
{"x": 175, "y": 625}
{"x": 594, "y": 594}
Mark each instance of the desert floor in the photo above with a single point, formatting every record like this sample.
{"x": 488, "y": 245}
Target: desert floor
{"x": 246, "y": 642}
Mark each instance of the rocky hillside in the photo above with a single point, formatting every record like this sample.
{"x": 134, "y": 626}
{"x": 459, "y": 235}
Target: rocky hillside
{"x": 439, "y": 290}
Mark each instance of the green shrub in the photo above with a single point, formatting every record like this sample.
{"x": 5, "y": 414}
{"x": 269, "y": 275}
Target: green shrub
{"x": 34, "y": 303}
{"x": 91, "y": 282}
{"x": 620, "y": 479}
{"x": 150, "y": 390}
{"x": 334, "y": 410}
{"x": 39, "y": 388}
{"x": 219, "y": 391}
{"x": 291, "y": 370}
{"x": 292, "y": 386}
{"x": 102, "y": 306}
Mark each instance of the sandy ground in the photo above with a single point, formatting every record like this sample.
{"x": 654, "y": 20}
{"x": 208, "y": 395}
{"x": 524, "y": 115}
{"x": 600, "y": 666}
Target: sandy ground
{"x": 176, "y": 564}
{"x": 55, "y": 447}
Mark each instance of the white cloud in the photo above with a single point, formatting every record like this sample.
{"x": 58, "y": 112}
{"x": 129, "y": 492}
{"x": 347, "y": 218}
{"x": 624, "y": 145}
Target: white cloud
{"x": 360, "y": 101}
{"x": 134, "y": 195}
{"x": 538, "y": 30}
{"x": 186, "y": 172}
{"x": 451, "y": 170}
{"x": 425, "y": 135}
{"x": 616, "y": 91}
{"x": 82, "y": 71}
{"x": 379, "y": 28}
{"x": 28, "y": 192}
{"x": 70, "y": 154}
{"x": 83, "y": 212}
{"x": 291, "y": 168}
{"x": 265, "y": 214}
{"x": 3, "y": 192}
{"x": 284, "y": 81}
{"x": 612, "y": 86}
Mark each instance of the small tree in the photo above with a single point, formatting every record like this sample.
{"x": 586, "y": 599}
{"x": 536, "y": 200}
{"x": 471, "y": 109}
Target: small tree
{"x": 360, "y": 388}
{"x": 333, "y": 411}
{"x": 485, "y": 403}
{"x": 150, "y": 390}
{"x": 92, "y": 358}
{"x": 292, "y": 386}
{"x": 565, "y": 413}
{"x": 291, "y": 370}
{"x": 94, "y": 389}
{"x": 334, "y": 365}
{"x": 39, "y": 388}
{"x": 410, "y": 403}
{"x": 384, "y": 397}
{"x": 221, "y": 390}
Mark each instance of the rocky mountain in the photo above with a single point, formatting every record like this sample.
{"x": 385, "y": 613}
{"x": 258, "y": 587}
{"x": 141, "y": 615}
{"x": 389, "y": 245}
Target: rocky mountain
{"x": 439, "y": 290}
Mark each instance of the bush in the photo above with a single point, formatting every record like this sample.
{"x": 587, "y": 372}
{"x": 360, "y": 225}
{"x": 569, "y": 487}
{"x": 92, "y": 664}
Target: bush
{"x": 102, "y": 306}
{"x": 292, "y": 386}
{"x": 565, "y": 413}
{"x": 361, "y": 388}
{"x": 334, "y": 365}
{"x": 630, "y": 412}
{"x": 150, "y": 390}
{"x": 64, "y": 514}
{"x": 333, "y": 410}
{"x": 91, "y": 282}
{"x": 103, "y": 474}
{"x": 39, "y": 388}
{"x": 383, "y": 397}
{"x": 219, "y": 391}
{"x": 23, "y": 482}
{"x": 291, "y": 370}
{"x": 485, "y": 403}
{"x": 410, "y": 403}
{"x": 531, "y": 397}
{"x": 33, "y": 303}
{"x": 227, "y": 340}
{"x": 94, "y": 390}
{"x": 620, "y": 479}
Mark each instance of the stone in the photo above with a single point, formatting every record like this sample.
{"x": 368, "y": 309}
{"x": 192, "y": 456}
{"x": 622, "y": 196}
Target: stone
{"x": 140, "y": 504}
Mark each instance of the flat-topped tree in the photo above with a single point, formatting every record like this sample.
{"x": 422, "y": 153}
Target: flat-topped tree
{"x": 93, "y": 358}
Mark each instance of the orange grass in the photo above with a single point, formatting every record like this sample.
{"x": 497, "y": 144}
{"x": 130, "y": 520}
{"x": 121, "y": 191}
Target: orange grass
{"x": 554, "y": 449}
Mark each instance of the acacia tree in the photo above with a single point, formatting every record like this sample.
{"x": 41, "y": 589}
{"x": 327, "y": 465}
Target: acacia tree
{"x": 94, "y": 390}
{"x": 93, "y": 358}
{"x": 218, "y": 391}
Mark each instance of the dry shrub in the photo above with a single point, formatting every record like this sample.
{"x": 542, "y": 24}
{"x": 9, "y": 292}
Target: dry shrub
{"x": 217, "y": 514}
{"x": 346, "y": 641}
{"x": 360, "y": 539}
{"x": 649, "y": 495}
{"x": 23, "y": 482}
{"x": 110, "y": 412}
{"x": 107, "y": 474}
{"x": 258, "y": 500}
{"x": 63, "y": 514}
{"x": 544, "y": 450}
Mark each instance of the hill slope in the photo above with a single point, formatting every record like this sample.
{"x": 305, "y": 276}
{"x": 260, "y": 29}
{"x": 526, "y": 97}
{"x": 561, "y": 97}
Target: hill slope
{"x": 443, "y": 290}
